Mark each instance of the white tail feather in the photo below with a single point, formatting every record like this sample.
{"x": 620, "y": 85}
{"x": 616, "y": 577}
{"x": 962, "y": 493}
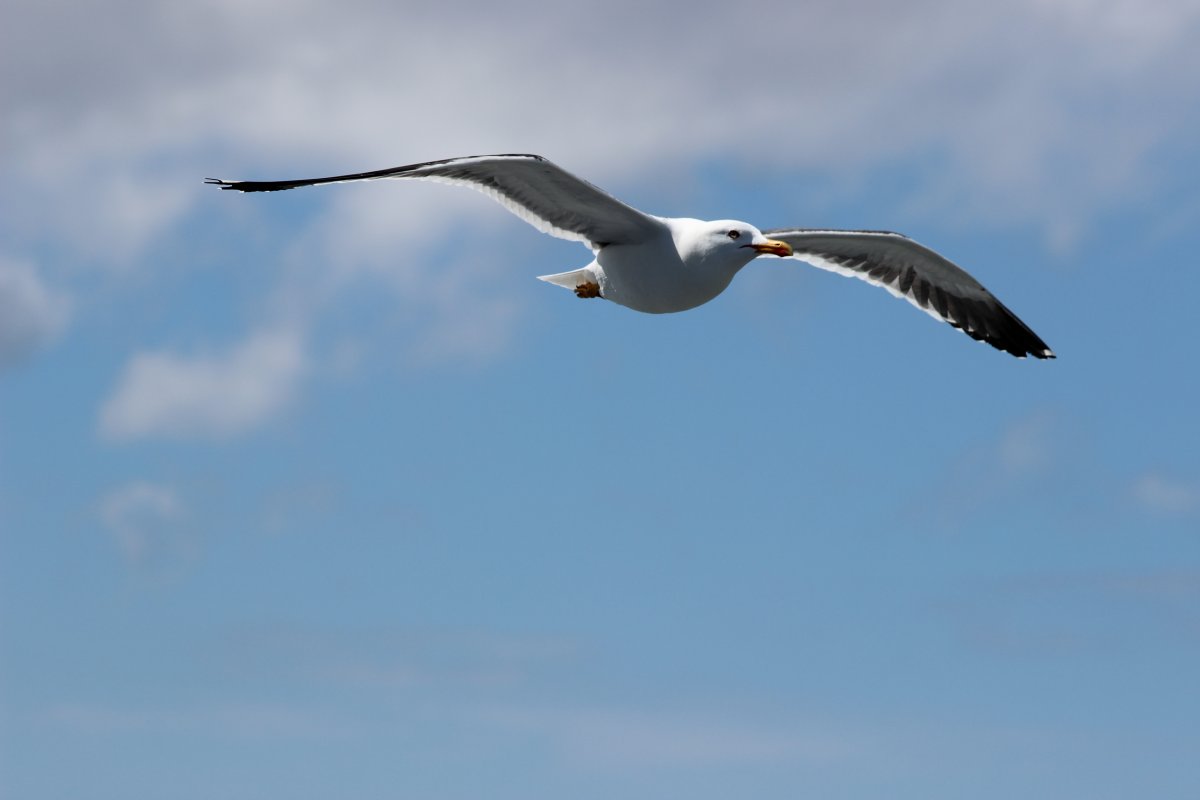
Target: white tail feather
{"x": 569, "y": 280}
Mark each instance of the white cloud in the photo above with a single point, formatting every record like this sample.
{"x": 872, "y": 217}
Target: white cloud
{"x": 31, "y": 314}
{"x": 444, "y": 260}
{"x": 1166, "y": 495}
{"x": 1053, "y": 135}
{"x": 146, "y": 521}
{"x": 107, "y": 155}
{"x": 161, "y": 394}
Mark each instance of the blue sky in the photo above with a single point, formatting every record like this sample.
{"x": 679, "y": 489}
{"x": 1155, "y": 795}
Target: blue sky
{"x": 322, "y": 494}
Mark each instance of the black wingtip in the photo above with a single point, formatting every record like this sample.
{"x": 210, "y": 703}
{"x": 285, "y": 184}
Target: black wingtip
{"x": 224, "y": 184}
{"x": 260, "y": 186}
{"x": 392, "y": 172}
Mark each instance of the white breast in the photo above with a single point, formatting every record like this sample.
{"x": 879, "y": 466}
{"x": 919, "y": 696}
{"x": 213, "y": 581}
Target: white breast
{"x": 654, "y": 277}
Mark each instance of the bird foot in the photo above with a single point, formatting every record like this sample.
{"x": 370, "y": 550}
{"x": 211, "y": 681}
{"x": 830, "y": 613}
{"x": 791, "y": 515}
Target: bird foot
{"x": 589, "y": 289}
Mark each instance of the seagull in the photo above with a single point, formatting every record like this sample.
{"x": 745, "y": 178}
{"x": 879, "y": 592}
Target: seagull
{"x": 661, "y": 265}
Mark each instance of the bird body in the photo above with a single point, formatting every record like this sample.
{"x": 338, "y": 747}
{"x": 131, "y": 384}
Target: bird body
{"x": 662, "y": 265}
{"x": 681, "y": 266}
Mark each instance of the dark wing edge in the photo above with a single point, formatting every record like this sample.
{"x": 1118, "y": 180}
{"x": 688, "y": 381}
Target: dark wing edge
{"x": 913, "y": 272}
{"x": 530, "y": 186}
{"x": 390, "y": 172}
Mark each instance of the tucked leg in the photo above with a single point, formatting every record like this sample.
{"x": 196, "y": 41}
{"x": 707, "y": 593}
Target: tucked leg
{"x": 588, "y": 289}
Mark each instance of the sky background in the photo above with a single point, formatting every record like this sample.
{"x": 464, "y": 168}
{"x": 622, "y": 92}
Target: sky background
{"x": 320, "y": 494}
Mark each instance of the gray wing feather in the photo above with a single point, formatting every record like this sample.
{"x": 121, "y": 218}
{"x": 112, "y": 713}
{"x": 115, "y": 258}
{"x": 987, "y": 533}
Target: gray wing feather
{"x": 538, "y": 191}
{"x": 922, "y": 277}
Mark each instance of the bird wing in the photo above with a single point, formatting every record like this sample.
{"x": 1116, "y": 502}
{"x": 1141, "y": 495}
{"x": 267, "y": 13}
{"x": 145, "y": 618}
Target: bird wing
{"x": 922, "y": 277}
{"x": 538, "y": 191}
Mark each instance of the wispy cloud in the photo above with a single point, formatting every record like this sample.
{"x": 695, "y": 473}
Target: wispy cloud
{"x": 1016, "y": 460}
{"x": 1026, "y": 445}
{"x": 394, "y": 661}
{"x": 147, "y": 521}
{"x": 1165, "y": 494}
{"x": 31, "y": 313}
{"x": 207, "y": 395}
{"x": 623, "y": 738}
{"x": 1068, "y": 614}
{"x": 255, "y": 721}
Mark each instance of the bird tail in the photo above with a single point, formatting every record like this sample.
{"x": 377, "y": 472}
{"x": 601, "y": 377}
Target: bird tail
{"x": 569, "y": 280}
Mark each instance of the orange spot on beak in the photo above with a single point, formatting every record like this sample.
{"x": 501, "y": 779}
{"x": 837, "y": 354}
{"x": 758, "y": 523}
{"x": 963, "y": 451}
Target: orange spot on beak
{"x": 774, "y": 247}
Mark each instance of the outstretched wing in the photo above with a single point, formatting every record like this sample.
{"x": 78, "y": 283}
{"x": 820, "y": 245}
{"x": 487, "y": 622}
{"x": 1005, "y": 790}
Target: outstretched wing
{"x": 538, "y": 191}
{"x": 920, "y": 276}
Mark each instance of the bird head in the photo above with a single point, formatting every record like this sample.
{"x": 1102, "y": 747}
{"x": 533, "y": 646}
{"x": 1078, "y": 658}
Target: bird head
{"x": 726, "y": 242}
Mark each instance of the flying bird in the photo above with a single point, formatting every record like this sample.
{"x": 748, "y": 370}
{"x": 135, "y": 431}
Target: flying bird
{"x": 661, "y": 265}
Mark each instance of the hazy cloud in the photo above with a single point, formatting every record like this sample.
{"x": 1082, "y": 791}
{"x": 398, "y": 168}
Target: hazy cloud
{"x": 31, "y": 314}
{"x": 162, "y": 394}
{"x": 1025, "y": 445}
{"x": 632, "y": 738}
{"x": 1072, "y": 613}
{"x": 1016, "y": 461}
{"x": 146, "y": 521}
{"x": 440, "y": 251}
{"x": 398, "y": 660}
{"x": 1165, "y": 494}
{"x": 255, "y": 721}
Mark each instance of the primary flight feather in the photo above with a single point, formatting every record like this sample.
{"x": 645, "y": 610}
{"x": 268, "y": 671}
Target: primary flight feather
{"x": 665, "y": 264}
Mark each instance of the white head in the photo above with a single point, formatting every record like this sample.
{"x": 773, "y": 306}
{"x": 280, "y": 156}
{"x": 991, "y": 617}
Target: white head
{"x": 723, "y": 244}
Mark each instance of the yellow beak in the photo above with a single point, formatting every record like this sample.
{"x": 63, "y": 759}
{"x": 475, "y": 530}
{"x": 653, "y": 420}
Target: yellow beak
{"x": 774, "y": 247}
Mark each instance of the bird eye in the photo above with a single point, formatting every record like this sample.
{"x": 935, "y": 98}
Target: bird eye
{"x": 733, "y": 234}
